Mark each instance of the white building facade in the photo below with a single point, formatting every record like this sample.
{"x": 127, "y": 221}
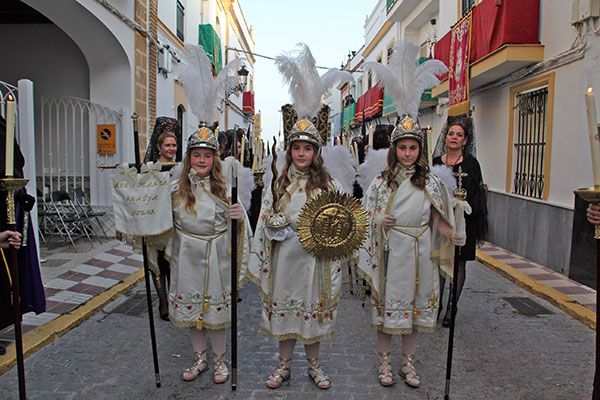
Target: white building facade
{"x": 527, "y": 102}
{"x": 97, "y": 62}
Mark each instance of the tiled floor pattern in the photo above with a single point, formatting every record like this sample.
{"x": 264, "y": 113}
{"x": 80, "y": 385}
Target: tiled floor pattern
{"x": 577, "y": 291}
{"x": 76, "y": 286}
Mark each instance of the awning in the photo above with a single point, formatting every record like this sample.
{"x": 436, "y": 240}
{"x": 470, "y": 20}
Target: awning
{"x": 209, "y": 40}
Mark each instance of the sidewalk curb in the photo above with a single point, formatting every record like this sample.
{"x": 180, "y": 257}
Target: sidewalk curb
{"x": 561, "y": 300}
{"x": 44, "y": 334}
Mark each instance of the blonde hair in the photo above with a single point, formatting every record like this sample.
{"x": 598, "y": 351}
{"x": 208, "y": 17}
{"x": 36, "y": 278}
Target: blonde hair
{"x": 218, "y": 185}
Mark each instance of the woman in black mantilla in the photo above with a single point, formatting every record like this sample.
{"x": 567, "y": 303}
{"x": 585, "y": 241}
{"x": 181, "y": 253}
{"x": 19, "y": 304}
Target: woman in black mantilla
{"x": 456, "y": 148}
{"x": 162, "y": 148}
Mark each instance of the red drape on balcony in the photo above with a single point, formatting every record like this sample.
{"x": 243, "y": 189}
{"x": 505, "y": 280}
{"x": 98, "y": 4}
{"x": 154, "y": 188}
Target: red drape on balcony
{"x": 514, "y": 22}
{"x": 248, "y": 102}
{"x": 371, "y": 103}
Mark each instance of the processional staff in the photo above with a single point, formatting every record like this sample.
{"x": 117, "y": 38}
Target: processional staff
{"x": 592, "y": 195}
{"x": 234, "y": 264}
{"x": 460, "y": 194}
{"x": 138, "y": 166}
{"x": 10, "y": 184}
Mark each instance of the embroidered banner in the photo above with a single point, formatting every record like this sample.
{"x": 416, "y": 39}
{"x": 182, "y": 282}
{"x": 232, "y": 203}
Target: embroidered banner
{"x": 142, "y": 202}
{"x": 460, "y": 47}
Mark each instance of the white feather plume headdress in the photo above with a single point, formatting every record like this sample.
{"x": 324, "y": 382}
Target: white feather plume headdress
{"x": 203, "y": 91}
{"x": 306, "y": 86}
{"x": 403, "y": 80}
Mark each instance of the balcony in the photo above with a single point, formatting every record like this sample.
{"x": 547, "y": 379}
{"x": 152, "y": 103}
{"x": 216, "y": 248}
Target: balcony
{"x": 248, "y": 103}
{"x": 504, "y": 39}
{"x": 369, "y": 104}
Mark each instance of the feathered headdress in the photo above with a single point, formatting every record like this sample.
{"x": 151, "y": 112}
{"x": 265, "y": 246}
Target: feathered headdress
{"x": 203, "y": 91}
{"x": 307, "y": 89}
{"x": 405, "y": 83}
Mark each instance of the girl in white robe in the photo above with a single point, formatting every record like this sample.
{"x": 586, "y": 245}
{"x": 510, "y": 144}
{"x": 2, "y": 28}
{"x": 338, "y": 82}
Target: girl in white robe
{"x": 300, "y": 293}
{"x": 409, "y": 236}
{"x": 200, "y": 253}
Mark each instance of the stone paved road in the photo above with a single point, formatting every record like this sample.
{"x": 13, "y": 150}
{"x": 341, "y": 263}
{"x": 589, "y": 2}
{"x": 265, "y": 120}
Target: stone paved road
{"x": 500, "y": 354}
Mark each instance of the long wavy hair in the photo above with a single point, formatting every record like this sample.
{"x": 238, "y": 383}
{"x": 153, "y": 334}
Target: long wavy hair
{"x": 318, "y": 177}
{"x": 419, "y": 178}
{"x": 218, "y": 185}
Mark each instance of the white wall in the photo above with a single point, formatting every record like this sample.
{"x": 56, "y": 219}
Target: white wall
{"x": 448, "y": 16}
{"x": 167, "y": 13}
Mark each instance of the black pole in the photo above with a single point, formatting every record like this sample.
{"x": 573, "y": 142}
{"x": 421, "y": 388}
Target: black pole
{"x": 234, "y": 268}
{"x": 452, "y": 321}
{"x": 16, "y": 297}
{"x": 596, "y": 392}
{"x": 10, "y": 184}
{"x": 138, "y": 165}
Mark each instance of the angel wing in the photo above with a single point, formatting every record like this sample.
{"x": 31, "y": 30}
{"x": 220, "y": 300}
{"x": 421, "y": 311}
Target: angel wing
{"x": 245, "y": 180}
{"x": 375, "y": 163}
{"x": 340, "y": 164}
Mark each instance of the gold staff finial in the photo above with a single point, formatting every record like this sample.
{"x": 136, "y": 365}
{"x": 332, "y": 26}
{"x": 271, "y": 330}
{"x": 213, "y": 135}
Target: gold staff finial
{"x": 460, "y": 193}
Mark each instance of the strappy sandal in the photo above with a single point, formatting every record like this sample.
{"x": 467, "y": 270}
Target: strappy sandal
{"x": 281, "y": 374}
{"x": 386, "y": 377}
{"x": 199, "y": 366}
{"x": 317, "y": 375}
{"x": 221, "y": 371}
{"x": 408, "y": 371}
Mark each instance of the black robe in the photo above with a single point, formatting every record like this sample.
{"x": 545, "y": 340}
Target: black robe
{"x": 476, "y": 222}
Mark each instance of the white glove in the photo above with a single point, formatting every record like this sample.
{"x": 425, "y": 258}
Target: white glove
{"x": 458, "y": 238}
{"x": 236, "y": 211}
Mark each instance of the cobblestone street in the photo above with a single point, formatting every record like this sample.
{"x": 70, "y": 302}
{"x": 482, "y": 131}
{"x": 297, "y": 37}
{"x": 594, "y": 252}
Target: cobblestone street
{"x": 500, "y": 353}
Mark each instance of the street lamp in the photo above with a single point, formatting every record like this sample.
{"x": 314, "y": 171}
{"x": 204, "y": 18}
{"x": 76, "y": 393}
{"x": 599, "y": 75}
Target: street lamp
{"x": 243, "y": 73}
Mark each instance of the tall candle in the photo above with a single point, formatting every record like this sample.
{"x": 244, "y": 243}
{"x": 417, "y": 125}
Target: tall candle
{"x": 370, "y": 141}
{"x": 243, "y": 150}
{"x": 260, "y": 152}
{"x": 255, "y": 155}
{"x": 10, "y": 135}
{"x": 593, "y": 131}
{"x": 429, "y": 146}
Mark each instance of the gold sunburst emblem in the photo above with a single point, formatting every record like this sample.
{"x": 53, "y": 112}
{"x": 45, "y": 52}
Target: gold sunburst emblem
{"x": 332, "y": 225}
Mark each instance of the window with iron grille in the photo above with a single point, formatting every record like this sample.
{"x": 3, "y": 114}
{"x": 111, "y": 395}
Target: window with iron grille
{"x": 390, "y": 51}
{"x": 466, "y": 6}
{"x": 530, "y": 142}
{"x": 180, "y": 18}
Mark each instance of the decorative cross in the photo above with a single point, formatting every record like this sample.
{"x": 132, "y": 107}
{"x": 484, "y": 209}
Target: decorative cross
{"x": 459, "y": 192}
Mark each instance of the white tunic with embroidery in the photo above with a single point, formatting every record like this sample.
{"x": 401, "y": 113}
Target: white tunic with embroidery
{"x": 405, "y": 297}
{"x": 200, "y": 257}
{"x": 299, "y": 292}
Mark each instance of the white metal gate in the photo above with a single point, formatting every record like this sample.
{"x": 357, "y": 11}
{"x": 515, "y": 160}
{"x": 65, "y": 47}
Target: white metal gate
{"x": 68, "y": 147}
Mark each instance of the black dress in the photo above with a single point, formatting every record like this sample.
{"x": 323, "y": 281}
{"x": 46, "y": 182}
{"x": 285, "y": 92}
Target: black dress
{"x": 476, "y": 222}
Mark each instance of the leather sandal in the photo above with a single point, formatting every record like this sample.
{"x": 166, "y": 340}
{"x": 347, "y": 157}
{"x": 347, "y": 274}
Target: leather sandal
{"x": 317, "y": 375}
{"x": 385, "y": 377}
{"x": 281, "y": 374}
{"x": 221, "y": 371}
{"x": 199, "y": 366}
{"x": 408, "y": 371}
